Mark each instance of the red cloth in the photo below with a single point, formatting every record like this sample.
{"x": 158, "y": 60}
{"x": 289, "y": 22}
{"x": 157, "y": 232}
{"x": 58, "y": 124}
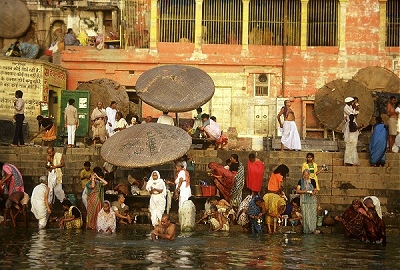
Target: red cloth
{"x": 225, "y": 181}
{"x": 275, "y": 182}
{"x": 254, "y": 176}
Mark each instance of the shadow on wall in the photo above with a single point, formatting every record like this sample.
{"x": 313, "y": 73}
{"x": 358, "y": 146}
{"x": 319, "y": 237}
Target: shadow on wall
{"x": 7, "y": 131}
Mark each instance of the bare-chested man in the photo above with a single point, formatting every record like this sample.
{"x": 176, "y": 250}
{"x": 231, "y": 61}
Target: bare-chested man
{"x": 164, "y": 230}
{"x": 392, "y": 121}
{"x": 290, "y": 135}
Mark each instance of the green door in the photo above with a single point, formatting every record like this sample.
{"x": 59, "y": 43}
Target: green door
{"x": 82, "y": 101}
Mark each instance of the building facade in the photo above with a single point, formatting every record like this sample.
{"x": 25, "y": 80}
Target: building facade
{"x": 258, "y": 52}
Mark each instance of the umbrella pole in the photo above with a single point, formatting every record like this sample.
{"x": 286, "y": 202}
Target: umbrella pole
{"x": 177, "y": 119}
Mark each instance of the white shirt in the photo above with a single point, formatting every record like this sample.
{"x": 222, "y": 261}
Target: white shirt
{"x": 166, "y": 120}
{"x": 111, "y": 115}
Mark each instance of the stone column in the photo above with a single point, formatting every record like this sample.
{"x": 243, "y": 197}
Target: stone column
{"x": 198, "y": 30}
{"x": 100, "y": 18}
{"x": 153, "y": 25}
{"x": 245, "y": 27}
{"x": 303, "y": 23}
{"x": 342, "y": 24}
{"x": 382, "y": 24}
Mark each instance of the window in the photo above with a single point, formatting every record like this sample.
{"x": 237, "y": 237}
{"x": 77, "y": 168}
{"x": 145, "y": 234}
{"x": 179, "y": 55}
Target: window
{"x": 136, "y": 16}
{"x": 322, "y": 22}
{"x": 222, "y": 21}
{"x": 261, "y": 84}
{"x": 393, "y": 23}
{"x": 176, "y": 20}
{"x": 266, "y": 22}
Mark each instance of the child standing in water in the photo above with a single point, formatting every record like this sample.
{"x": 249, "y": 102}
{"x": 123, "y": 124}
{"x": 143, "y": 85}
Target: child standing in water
{"x": 312, "y": 167}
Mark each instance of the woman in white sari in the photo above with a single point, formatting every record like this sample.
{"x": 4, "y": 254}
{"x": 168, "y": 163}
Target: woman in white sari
{"x": 40, "y": 202}
{"x": 106, "y": 220}
{"x": 156, "y": 187}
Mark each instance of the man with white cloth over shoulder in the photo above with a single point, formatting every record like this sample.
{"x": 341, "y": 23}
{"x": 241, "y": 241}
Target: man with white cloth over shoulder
{"x": 55, "y": 162}
{"x": 290, "y": 136}
{"x": 40, "y": 202}
{"x": 156, "y": 187}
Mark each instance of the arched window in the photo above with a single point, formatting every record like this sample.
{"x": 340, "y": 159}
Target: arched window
{"x": 266, "y": 22}
{"x": 322, "y": 22}
{"x": 222, "y": 21}
{"x": 176, "y": 20}
{"x": 393, "y": 23}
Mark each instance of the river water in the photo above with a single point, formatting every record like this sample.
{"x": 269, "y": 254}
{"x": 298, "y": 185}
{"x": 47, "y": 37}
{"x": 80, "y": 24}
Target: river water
{"x": 131, "y": 249}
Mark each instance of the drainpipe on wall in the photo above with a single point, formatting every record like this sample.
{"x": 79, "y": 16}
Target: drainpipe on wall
{"x": 284, "y": 47}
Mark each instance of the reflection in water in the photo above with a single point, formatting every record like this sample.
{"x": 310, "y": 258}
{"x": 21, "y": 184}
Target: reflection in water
{"x": 54, "y": 248}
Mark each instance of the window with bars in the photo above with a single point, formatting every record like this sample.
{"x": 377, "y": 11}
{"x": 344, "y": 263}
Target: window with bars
{"x": 222, "y": 22}
{"x": 393, "y": 23}
{"x": 266, "y": 22}
{"x": 176, "y": 20}
{"x": 322, "y": 22}
{"x": 136, "y": 18}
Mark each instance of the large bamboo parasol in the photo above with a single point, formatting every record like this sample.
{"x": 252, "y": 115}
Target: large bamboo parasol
{"x": 378, "y": 79}
{"x": 329, "y": 103}
{"x": 14, "y": 18}
{"x": 106, "y": 90}
{"x": 146, "y": 145}
{"x": 175, "y": 88}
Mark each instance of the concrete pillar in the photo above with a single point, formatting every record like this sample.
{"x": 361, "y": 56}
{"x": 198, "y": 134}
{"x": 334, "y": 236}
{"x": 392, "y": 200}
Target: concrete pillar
{"x": 303, "y": 23}
{"x": 100, "y": 18}
{"x": 245, "y": 27}
{"x": 198, "y": 30}
{"x": 382, "y": 24}
{"x": 153, "y": 25}
{"x": 114, "y": 18}
{"x": 342, "y": 24}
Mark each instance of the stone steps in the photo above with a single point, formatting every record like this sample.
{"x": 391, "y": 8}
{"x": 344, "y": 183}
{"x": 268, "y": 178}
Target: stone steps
{"x": 339, "y": 186}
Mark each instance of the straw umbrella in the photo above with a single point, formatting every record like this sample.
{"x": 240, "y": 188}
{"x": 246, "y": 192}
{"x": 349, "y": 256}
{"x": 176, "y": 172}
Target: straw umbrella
{"x": 146, "y": 145}
{"x": 175, "y": 88}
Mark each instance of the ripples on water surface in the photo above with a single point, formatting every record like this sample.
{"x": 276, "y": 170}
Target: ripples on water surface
{"x": 54, "y": 248}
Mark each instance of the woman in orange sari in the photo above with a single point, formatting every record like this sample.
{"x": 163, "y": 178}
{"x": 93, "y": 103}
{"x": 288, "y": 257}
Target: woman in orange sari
{"x": 95, "y": 197}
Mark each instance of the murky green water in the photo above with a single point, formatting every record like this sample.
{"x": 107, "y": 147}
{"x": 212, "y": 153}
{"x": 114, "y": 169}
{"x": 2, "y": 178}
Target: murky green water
{"x": 61, "y": 249}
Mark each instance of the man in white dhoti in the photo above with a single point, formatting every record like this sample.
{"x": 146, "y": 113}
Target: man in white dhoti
{"x": 157, "y": 189}
{"x": 40, "y": 202}
{"x": 54, "y": 163}
{"x": 290, "y": 136}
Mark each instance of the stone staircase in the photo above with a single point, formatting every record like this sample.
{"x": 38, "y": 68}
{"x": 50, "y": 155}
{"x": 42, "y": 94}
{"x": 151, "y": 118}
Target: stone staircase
{"x": 339, "y": 186}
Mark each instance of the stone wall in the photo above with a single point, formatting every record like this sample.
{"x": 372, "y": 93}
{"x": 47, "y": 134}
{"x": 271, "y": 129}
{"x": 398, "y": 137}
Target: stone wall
{"x": 339, "y": 186}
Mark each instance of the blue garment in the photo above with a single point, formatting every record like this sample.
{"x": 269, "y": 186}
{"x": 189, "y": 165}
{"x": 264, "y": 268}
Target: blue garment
{"x": 377, "y": 145}
{"x": 254, "y": 210}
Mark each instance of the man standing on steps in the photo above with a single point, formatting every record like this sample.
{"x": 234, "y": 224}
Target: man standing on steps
{"x": 71, "y": 121}
{"x": 392, "y": 121}
{"x": 111, "y": 113}
{"x": 54, "y": 163}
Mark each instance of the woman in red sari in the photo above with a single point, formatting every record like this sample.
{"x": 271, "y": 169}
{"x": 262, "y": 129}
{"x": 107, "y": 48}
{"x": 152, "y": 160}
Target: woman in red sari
{"x": 224, "y": 179}
{"x": 95, "y": 197}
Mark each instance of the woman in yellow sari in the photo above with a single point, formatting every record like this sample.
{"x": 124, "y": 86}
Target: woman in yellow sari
{"x": 72, "y": 216}
{"x": 99, "y": 120}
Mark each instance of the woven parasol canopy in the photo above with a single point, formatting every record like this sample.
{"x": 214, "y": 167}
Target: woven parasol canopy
{"x": 329, "y": 103}
{"x": 14, "y": 18}
{"x": 378, "y": 79}
{"x": 106, "y": 90}
{"x": 146, "y": 145}
{"x": 175, "y": 88}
